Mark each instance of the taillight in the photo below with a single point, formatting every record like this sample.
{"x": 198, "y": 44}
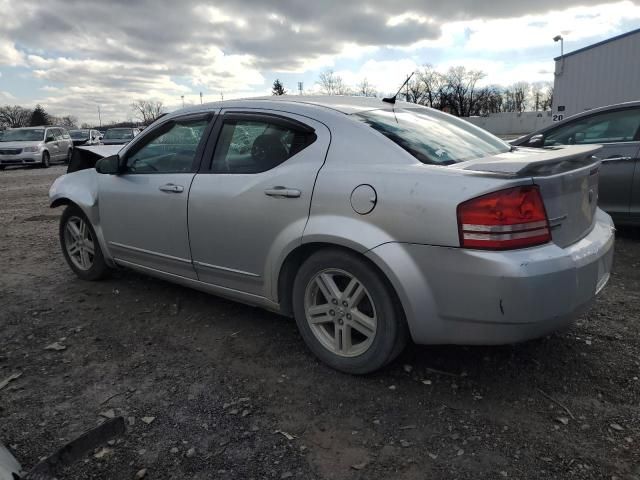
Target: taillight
{"x": 503, "y": 220}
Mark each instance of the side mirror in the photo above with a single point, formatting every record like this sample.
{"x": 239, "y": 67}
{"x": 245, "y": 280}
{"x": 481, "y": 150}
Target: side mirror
{"x": 100, "y": 137}
{"x": 50, "y": 138}
{"x": 537, "y": 141}
{"x": 579, "y": 137}
{"x": 109, "y": 165}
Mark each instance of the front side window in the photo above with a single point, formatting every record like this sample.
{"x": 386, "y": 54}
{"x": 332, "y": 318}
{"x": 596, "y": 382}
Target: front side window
{"x": 171, "y": 148}
{"x": 609, "y": 127}
{"x": 254, "y": 146}
{"x": 433, "y": 137}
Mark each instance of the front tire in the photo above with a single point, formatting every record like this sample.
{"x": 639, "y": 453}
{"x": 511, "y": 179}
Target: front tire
{"x": 46, "y": 160}
{"x": 80, "y": 245}
{"x": 347, "y": 312}
{"x": 69, "y": 155}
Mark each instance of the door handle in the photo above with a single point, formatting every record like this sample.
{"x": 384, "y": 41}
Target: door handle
{"x": 171, "y": 188}
{"x": 283, "y": 192}
{"x": 616, "y": 159}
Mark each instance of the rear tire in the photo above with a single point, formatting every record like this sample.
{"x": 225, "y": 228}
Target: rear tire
{"x": 80, "y": 245}
{"x": 46, "y": 160}
{"x": 347, "y": 312}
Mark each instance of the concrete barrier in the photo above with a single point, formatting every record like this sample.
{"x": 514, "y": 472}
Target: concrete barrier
{"x": 512, "y": 123}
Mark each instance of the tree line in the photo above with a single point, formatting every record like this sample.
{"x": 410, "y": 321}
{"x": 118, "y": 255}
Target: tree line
{"x": 455, "y": 90}
{"x": 15, "y": 116}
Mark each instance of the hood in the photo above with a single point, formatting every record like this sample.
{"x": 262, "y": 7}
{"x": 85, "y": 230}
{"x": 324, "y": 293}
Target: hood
{"x": 84, "y": 157}
{"x": 30, "y": 143}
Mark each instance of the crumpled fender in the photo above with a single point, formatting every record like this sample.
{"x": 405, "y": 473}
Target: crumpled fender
{"x": 81, "y": 188}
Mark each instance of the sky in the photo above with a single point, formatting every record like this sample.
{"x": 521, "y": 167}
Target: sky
{"x": 73, "y": 56}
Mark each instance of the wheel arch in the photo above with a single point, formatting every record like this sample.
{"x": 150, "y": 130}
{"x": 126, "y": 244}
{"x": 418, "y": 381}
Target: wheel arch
{"x": 294, "y": 260}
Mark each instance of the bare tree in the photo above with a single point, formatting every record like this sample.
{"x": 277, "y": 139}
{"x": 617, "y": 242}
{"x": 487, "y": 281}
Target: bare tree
{"x": 332, "y": 84}
{"x": 365, "y": 89}
{"x": 461, "y": 90}
{"x": 434, "y": 86}
{"x": 147, "y": 111}
{"x": 14, "y": 116}
{"x": 68, "y": 121}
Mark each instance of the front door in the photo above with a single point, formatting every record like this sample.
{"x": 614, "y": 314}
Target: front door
{"x": 143, "y": 211}
{"x": 253, "y": 198}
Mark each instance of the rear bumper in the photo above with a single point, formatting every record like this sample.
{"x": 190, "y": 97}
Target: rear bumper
{"x": 454, "y": 295}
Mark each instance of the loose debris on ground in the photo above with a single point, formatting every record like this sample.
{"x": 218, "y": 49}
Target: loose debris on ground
{"x": 214, "y": 389}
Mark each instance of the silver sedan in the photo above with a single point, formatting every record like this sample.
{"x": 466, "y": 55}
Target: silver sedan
{"x": 371, "y": 223}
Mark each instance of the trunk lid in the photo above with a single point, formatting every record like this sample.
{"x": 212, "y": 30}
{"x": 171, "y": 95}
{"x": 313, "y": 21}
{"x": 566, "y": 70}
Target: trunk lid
{"x": 567, "y": 178}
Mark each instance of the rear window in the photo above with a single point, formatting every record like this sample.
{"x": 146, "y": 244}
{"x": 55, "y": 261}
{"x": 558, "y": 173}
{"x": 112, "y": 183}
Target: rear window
{"x": 433, "y": 137}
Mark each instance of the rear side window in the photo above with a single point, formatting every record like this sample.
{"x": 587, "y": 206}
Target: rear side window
{"x": 609, "y": 127}
{"x": 433, "y": 137}
{"x": 257, "y": 145}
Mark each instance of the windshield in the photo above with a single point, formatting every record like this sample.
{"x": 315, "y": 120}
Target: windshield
{"x": 26, "y": 135}
{"x": 434, "y": 137}
{"x": 79, "y": 134}
{"x": 119, "y": 134}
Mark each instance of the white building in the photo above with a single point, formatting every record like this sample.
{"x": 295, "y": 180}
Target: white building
{"x": 601, "y": 74}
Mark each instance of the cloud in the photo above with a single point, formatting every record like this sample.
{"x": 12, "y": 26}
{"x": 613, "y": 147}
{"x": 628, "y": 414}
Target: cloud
{"x": 113, "y": 52}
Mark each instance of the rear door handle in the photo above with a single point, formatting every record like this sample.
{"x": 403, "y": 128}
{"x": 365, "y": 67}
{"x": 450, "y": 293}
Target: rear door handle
{"x": 616, "y": 159}
{"x": 282, "y": 192}
{"x": 171, "y": 188}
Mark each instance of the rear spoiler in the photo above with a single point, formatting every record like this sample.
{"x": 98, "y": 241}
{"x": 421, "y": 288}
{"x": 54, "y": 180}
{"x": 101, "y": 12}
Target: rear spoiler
{"x": 86, "y": 157}
{"x": 535, "y": 161}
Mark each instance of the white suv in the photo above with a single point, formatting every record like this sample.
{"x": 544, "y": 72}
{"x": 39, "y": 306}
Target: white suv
{"x": 35, "y": 146}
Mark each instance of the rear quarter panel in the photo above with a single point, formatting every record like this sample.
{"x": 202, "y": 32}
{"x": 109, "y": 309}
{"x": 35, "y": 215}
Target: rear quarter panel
{"x": 416, "y": 203}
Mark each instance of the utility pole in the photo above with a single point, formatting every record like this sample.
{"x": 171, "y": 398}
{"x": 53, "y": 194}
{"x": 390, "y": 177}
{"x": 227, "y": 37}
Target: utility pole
{"x": 200, "y": 98}
{"x": 182, "y": 97}
{"x": 99, "y": 117}
{"x": 221, "y": 96}
{"x": 300, "y": 85}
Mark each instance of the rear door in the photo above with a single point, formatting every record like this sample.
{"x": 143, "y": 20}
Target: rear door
{"x": 617, "y": 132}
{"x": 143, "y": 211}
{"x": 252, "y": 196}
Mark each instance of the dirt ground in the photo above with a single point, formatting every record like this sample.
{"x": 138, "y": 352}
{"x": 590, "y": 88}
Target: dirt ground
{"x": 235, "y": 394}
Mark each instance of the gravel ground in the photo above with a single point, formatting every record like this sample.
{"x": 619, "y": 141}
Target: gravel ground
{"x": 235, "y": 394}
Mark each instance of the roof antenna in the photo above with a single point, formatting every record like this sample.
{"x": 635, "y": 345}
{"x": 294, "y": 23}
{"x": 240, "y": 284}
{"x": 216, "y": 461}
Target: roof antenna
{"x": 392, "y": 100}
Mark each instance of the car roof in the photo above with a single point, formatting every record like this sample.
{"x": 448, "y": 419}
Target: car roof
{"x": 299, "y": 104}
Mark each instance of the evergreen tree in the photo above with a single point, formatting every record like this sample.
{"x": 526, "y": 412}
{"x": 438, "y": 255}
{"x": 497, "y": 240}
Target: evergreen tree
{"x": 39, "y": 117}
{"x": 278, "y": 88}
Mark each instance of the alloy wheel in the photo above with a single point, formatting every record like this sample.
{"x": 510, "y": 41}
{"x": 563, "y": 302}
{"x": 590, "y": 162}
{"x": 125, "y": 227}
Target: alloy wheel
{"x": 340, "y": 312}
{"x": 79, "y": 243}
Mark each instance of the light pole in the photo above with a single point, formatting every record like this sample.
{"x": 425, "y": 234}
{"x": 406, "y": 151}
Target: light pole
{"x": 182, "y": 97}
{"x": 200, "y": 98}
{"x": 558, "y": 38}
{"x": 99, "y": 116}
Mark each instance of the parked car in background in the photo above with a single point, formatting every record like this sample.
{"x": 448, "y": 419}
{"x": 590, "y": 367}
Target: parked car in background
{"x": 85, "y": 137}
{"x": 368, "y": 222}
{"x": 617, "y": 129}
{"x": 119, "y": 136}
{"x": 35, "y": 146}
